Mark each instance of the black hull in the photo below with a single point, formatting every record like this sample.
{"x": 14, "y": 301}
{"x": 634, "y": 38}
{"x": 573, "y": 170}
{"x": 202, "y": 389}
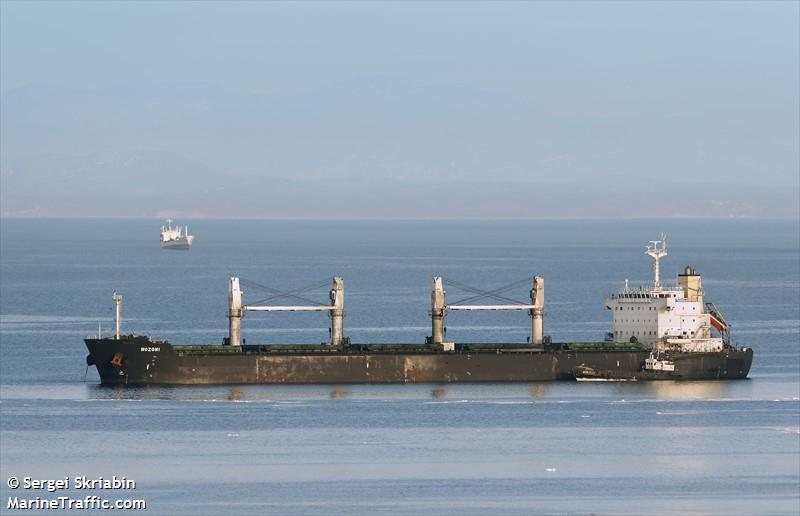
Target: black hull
{"x": 139, "y": 361}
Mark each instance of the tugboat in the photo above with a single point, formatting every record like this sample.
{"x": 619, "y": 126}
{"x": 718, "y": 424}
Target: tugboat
{"x": 584, "y": 373}
{"x": 685, "y": 335}
{"x": 175, "y": 238}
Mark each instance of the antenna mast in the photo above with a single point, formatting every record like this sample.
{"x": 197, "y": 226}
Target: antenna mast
{"x": 657, "y": 249}
{"x": 118, "y": 305}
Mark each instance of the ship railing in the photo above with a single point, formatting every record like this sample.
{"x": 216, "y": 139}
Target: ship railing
{"x": 647, "y": 290}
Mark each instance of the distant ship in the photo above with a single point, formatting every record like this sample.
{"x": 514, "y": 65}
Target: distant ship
{"x": 175, "y": 238}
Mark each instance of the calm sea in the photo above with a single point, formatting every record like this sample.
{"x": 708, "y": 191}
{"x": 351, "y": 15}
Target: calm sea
{"x": 540, "y": 448}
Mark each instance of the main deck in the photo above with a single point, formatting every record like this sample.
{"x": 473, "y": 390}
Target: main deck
{"x": 325, "y": 349}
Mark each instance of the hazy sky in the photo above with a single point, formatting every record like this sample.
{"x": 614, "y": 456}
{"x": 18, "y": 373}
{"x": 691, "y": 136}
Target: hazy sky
{"x": 594, "y": 56}
{"x": 730, "y": 70}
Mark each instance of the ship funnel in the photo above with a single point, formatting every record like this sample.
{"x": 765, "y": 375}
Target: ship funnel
{"x": 118, "y": 314}
{"x": 337, "y": 311}
{"x": 234, "y": 312}
{"x": 437, "y": 310}
{"x": 537, "y": 312}
{"x": 691, "y": 285}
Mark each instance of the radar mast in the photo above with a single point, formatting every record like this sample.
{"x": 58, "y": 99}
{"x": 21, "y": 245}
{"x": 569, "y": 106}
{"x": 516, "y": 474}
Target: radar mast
{"x": 657, "y": 249}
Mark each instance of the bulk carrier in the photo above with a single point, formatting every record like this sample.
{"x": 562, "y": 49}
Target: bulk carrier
{"x": 659, "y": 332}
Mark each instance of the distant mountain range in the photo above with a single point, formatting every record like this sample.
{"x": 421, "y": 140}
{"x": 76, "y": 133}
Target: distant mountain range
{"x": 377, "y": 147}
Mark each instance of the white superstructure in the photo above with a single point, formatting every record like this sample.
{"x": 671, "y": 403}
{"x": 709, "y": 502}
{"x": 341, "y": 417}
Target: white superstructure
{"x": 175, "y": 238}
{"x": 666, "y": 317}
